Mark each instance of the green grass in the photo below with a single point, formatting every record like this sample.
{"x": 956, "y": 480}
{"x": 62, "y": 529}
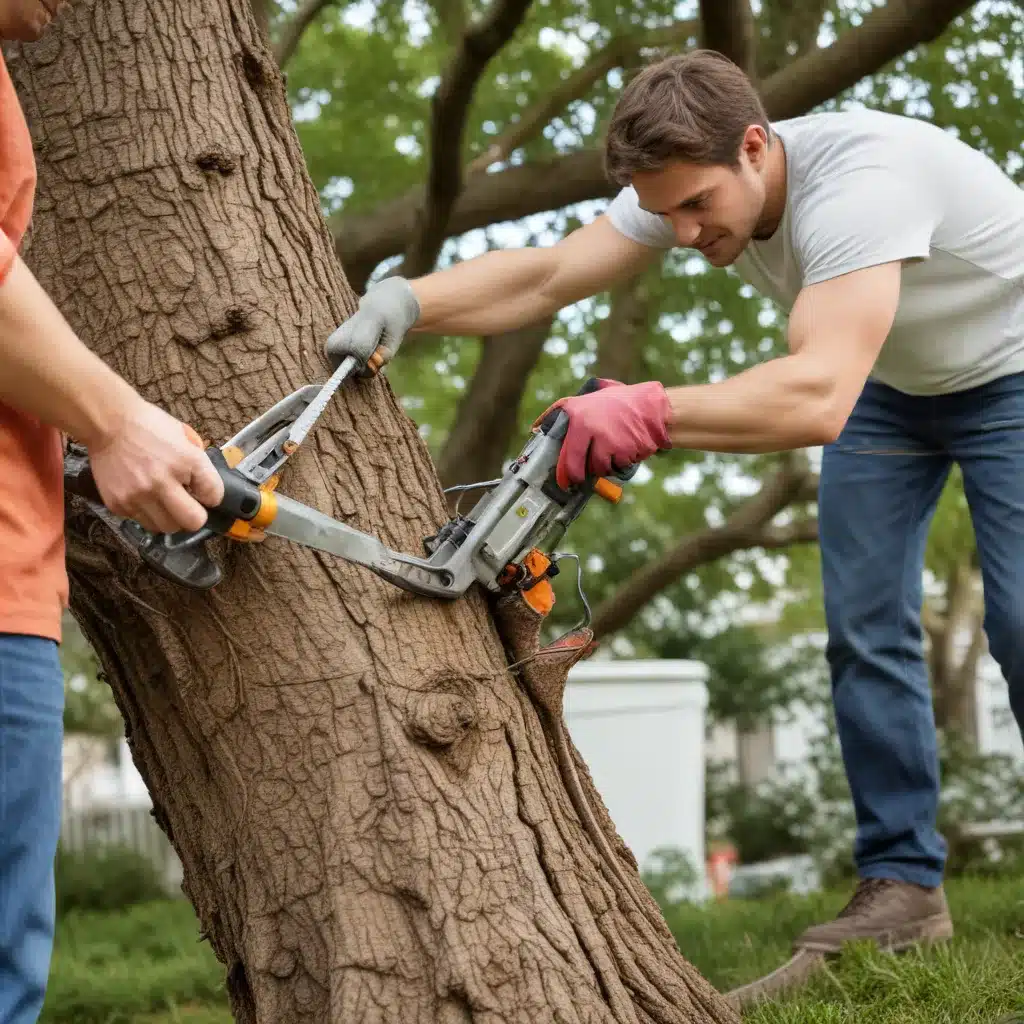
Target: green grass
{"x": 977, "y": 977}
{"x": 121, "y": 968}
{"x": 146, "y": 965}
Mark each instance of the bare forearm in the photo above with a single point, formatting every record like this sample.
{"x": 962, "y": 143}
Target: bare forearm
{"x": 499, "y": 291}
{"x": 45, "y": 369}
{"x": 774, "y": 406}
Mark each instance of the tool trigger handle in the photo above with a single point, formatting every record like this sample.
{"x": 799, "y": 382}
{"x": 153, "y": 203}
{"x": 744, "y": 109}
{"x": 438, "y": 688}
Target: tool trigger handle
{"x": 556, "y": 424}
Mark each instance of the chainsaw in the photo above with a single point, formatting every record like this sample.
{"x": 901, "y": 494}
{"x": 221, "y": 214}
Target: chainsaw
{"x": 505, "y": 542}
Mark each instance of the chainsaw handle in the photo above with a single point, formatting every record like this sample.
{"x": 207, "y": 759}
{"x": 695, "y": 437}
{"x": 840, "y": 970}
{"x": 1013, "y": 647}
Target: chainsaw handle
{"x": 241, "y": 496}
{"x": 180, "y": 557}
{"x": 556, "y": 424}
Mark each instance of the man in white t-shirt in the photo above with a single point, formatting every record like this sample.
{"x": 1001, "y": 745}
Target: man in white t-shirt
{"x": 898, "y": 252}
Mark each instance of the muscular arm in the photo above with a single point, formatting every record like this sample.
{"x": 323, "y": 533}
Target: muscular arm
{"x": 836, "y": 330}
{"x": 511, "y": 288}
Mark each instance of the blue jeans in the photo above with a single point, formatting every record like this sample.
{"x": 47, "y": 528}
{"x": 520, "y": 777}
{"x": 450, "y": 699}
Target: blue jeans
{"x": 880, "y": 482}
{"x": 31, "y": 738}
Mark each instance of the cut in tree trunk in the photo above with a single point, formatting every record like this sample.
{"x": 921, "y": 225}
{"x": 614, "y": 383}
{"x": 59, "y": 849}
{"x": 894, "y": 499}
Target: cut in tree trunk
{"x": 377, "y": 820}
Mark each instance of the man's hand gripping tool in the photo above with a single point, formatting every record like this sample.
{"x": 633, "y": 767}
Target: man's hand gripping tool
{"x": 505, "y": 542}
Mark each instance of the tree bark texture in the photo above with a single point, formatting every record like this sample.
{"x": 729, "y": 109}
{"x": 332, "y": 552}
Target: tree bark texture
{"x": 378, "y": 819}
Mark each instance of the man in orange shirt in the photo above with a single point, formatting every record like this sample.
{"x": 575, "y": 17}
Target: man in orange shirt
{"x": 145, "y": 469}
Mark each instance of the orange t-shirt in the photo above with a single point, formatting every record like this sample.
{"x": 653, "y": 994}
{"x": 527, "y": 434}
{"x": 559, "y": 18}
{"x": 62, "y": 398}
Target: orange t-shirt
{"x": 33, "y": 577}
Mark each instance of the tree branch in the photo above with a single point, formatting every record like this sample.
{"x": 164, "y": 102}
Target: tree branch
{"x": 884, "y": 34}
{"x": 451, "y": 16}
{"x": 364, "y": 240}
{"x": 786, "y": 30}
{"x": 518, "y": 192}
{"x": 489, "y": 412}
{"x": 261, "y": 12}
{"x": 449, "y": 107}
{"x": 293, "y": 30}
{"x": 748, "y": 526}
{"x": 728, "y": 27}
{"x": 618, "y": 52}
{"x": 771, "y": 538}
{"x": 619, "y": 337}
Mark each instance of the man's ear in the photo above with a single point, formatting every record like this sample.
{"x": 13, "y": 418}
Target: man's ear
{"x": 755, "y": 146}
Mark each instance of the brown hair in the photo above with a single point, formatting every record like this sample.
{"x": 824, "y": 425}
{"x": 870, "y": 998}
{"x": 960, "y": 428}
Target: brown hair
{"x": 693, "y": 107}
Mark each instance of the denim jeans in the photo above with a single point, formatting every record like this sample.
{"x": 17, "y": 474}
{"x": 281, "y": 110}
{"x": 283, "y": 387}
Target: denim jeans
{"x": 31, "y": 738}
{"x": 880, "y": 482}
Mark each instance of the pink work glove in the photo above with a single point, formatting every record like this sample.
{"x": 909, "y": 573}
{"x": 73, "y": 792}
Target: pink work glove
{"x": 610, "y": 429}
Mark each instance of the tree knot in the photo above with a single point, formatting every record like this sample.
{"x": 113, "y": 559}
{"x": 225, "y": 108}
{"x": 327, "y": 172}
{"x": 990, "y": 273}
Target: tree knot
{"x": 256, "y": 69}
{"x": 235, "y": 321}
{"x": 216, "y": 160}
{"x": 441, "y": 719}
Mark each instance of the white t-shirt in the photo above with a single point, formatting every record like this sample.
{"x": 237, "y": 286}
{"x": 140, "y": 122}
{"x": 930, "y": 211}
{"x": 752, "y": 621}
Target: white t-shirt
{"x": 863, "y": 188}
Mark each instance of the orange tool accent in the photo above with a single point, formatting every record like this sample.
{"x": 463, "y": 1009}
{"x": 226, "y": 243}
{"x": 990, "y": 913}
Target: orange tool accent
{"x": 233, "y": 455}
{"x": 608, "y": 490}
{"x": 375, "y": 362}
{"x": 541, "y": 596}
{"x": 251, "y": 530}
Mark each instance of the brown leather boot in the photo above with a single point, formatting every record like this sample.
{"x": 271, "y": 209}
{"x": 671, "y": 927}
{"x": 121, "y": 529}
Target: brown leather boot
{"x": 896, "y": 915}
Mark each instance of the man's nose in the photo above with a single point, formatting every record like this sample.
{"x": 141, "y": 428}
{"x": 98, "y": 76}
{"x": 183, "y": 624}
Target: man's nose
{"x": 687, "y": 230}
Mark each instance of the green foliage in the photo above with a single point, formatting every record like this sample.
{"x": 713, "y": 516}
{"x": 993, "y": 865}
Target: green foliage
{"x": 112, "y": 968}
{"x": 88, "y": 702}
{"x": 807, "y": 810}
{"x": 670, "y": 875}
{"x": 105, "y": 878}
{"x": 361, "y": 85}
{"x": 763, "y": 822}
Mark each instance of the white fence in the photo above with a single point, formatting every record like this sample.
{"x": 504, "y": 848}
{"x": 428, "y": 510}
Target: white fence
{"x": 132, "y": 827}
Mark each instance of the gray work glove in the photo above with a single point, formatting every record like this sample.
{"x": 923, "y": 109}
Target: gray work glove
{"x": 386, "y": 313}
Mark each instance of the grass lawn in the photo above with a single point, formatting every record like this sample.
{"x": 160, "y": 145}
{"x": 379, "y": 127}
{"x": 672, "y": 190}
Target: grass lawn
{"x": 146, "y": 965}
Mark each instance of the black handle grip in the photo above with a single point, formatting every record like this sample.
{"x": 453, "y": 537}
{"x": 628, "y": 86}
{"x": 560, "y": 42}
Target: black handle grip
{"x": 241, "y": 499}
{"x": 180, "y": 557}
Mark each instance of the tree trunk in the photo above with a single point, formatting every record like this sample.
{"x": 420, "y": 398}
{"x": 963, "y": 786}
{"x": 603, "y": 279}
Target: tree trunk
{"x": 376, "y": 818}
{"x": 956, "y": 644}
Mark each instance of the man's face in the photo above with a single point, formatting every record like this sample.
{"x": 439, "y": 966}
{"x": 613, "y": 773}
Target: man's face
{"x": 714, "y": 209}
{"x": 26, "y": 20}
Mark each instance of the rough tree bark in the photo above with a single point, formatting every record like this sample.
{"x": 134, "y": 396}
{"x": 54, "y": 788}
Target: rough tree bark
{"x": 377, "y": 820}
